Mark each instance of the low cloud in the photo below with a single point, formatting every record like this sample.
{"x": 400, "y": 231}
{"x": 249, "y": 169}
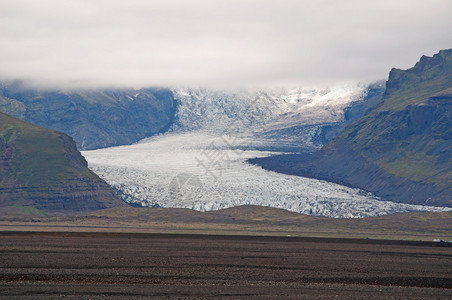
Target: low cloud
{"x": 82, "y": 43}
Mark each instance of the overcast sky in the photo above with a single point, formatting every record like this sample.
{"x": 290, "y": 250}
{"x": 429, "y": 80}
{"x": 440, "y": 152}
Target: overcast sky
{"x": 214, "y": 42}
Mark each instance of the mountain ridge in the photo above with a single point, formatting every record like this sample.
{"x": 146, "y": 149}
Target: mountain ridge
{"x": 401, "y": 149}
{"x": 93, "y": 118}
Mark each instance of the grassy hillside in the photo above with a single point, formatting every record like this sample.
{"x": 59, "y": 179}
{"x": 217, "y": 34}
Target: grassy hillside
{"x": 401, "y": 149}
{"x": 410, "y": 133}
{"x": 43, "y": 168}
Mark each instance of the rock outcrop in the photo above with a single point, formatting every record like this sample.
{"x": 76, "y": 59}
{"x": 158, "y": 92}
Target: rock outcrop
{"x": 93, "y": 118}
{"x": 401, "y": 149}
{"x": 42, "y": 168}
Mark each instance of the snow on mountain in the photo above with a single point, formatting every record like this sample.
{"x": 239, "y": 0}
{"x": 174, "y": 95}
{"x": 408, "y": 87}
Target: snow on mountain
{"x": 213, "y": 110}
{"x": 201, "y": 162}
{"x": 289, "y": 120}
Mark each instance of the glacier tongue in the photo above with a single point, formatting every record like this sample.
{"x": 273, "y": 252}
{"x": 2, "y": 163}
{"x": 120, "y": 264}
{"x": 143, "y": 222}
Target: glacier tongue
{"x": 201, "y": 162}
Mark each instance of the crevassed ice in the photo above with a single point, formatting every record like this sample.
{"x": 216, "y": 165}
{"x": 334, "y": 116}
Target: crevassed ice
{"x": 201, "y": 164}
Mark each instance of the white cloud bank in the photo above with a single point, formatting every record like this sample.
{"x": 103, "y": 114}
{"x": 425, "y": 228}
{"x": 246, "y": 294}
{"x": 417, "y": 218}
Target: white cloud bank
{"x": 222, "y": 43}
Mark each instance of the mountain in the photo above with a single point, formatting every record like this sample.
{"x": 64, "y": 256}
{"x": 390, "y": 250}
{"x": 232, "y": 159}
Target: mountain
{"x": 93, "y": 118}
{"x": 200, "y": 163}
{"x": 280, "y": 119}
{"x": 104, "y": 118}
{"x": 401, "y": 149}
{"x": 43, "y": 169}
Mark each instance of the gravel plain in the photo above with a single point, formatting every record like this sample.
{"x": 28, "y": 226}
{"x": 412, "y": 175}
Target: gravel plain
{"x": 47, "y": 265}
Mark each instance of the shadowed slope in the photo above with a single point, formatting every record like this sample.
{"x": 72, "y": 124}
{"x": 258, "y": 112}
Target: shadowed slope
{"x": 42, "y": 168}
{"x": 93, "y": 118}
{"x": 401, "y": 149}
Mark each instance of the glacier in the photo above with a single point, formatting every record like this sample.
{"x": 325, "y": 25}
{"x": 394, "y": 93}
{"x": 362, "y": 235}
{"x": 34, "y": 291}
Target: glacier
{"x": 201, "y": 162}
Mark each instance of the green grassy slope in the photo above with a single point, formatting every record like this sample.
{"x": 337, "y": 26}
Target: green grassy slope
{"x": 409, "y": 134}
{"x": 401, "y": 149}
{"x": 43, "y": 168}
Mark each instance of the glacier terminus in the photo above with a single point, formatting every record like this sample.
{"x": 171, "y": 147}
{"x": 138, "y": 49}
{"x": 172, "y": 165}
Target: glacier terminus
{"x": 201, "y": 162}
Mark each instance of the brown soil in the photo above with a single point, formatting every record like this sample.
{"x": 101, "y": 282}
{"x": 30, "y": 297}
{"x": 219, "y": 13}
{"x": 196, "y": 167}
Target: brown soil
{"x": 132, "y": 265}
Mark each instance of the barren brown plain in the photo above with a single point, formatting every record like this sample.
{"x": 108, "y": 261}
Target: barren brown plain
{"x": 239, "y": 253}
{"x": 88, "y": 265}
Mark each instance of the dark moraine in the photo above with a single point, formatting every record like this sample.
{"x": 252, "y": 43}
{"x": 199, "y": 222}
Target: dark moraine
{"x": 121, "y": 265}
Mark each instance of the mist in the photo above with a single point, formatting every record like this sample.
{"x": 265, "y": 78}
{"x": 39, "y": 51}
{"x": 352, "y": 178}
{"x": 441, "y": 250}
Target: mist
{"x": 221, "y": 44}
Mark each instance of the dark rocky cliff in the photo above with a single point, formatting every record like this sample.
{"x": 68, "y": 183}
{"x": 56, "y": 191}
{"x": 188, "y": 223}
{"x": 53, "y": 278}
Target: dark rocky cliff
{"x": 93, "y": 118}
{"x": 42, "y": 168}
{"x": 401, "y": 149}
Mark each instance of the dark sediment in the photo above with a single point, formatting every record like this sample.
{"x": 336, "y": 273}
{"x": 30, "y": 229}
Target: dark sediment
{"x": 43, "y": 265}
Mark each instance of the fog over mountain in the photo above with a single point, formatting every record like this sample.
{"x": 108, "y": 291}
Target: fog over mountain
{"x": 223, "y": 44}
{"x": 184, "y": 73}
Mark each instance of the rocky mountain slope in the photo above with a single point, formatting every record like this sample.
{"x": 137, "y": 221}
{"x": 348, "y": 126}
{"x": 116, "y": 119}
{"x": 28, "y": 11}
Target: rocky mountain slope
{"x": 93, "y": 118}
{"x": 401, "y": 149}
{"x": 43, "y": 169}
{"x": 103, "y": 118}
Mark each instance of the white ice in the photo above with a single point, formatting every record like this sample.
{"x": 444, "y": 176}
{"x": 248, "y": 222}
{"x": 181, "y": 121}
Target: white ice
{"x": 201, "y": 164}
